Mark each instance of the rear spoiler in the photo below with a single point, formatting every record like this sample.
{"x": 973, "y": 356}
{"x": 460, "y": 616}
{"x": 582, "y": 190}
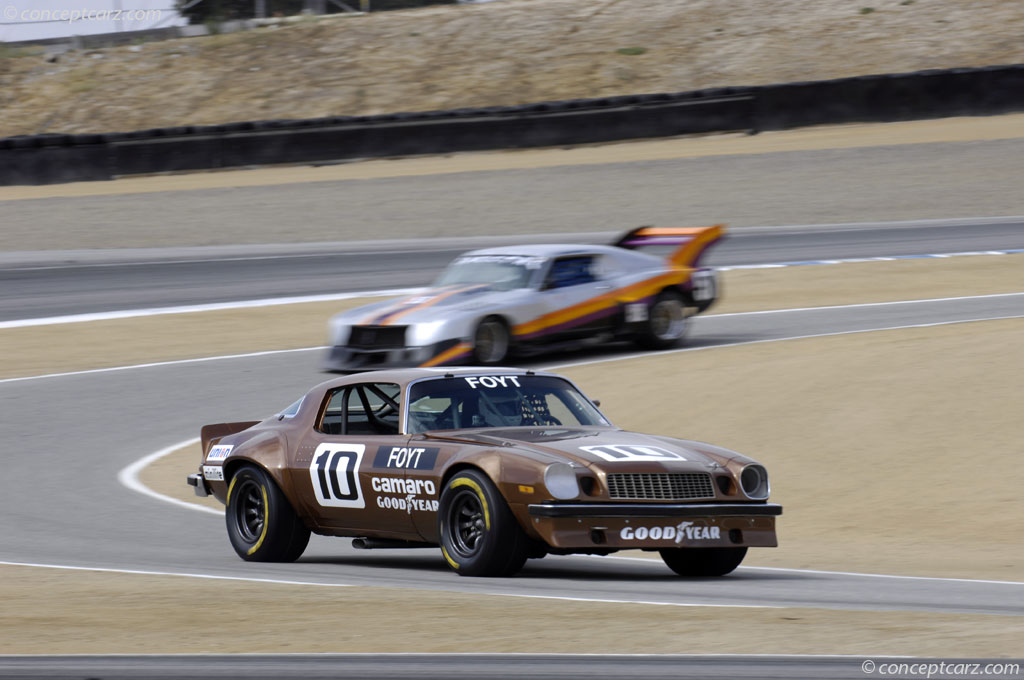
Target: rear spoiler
{"x": 211, "y": 434}
{"x": 691, "y": 242}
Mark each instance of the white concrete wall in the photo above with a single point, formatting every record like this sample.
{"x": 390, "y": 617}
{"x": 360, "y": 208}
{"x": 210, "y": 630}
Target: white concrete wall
{"x": 38, "y": 19}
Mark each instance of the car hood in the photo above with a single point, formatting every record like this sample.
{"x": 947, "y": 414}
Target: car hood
{"x": 603, "y": 448}
{"x": 426, "y": 305}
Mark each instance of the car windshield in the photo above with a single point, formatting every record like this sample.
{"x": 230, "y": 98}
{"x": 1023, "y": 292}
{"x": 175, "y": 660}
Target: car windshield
{"x": 474, "y": 401}
{"x": 503, "y": 272}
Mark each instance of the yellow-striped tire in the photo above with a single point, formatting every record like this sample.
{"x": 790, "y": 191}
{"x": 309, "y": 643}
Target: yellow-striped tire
{"x": 262, "y": 525}
{"x": 479, "y": 534}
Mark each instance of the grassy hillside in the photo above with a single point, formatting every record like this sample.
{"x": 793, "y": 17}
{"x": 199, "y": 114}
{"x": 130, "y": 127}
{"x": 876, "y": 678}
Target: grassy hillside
{"x": 506, "y": 52}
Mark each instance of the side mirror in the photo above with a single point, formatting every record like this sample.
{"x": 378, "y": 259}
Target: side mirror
{"x": 596, "y": 402}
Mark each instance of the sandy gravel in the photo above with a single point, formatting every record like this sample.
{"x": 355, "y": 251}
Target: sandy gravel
{"x": 35, "y": 350}
{"x": 507, "y": 52}
{"x": 117, "y": 613}
{"x": 878, "y": 444}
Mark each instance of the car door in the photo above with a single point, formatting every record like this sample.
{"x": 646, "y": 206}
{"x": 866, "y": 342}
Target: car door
{"x": 335, "y": 469}
{"x": 573, "y": 298}
{"x": 427, "y": 457}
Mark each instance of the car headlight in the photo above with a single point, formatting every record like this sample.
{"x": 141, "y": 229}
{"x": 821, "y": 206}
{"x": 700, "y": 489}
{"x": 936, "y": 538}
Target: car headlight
{"x": 754, "y": 480}
{"x": 425, "y": 333}
{"x": 560, "y": 480}
{"x": 338, "y": 331}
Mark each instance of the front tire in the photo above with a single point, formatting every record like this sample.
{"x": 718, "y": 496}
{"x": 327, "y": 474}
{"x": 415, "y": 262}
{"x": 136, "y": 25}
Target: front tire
{"x": 262, "y": 525}
{"x": 703, "y": 561}
{"x": 666, "y": 322}
{"x": 491, "y": 342}
{"x": 479, "y": 534}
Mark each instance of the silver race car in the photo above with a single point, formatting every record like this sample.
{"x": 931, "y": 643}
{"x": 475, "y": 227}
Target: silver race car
{"x": 494, "y": 303}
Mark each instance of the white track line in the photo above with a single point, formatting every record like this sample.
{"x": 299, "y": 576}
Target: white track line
{"x": 658, "y": 562}
{"x": 210, "y": 307}
{"x": 141, "y": 572}
{"x": 173, "y": 362}
{"x": 560, "y": 598}
{"x": 129, "y": 477}
{"x": 343, "y": 655}
{"x": 882, "y": 258}
{"x": 862, "y": 304}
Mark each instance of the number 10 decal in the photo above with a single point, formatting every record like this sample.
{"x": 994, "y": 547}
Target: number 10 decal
{"x": 334, "y": 472}
{"x": 629, "y": 453}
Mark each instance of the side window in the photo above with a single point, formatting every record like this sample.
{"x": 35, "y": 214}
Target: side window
{"x": 362, "y": 409}
{"x": 571, "y": 271}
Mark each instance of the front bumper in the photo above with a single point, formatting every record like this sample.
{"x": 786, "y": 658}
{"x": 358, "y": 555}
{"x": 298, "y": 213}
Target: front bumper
{"x": 344, "y": 359}
{"x": 198, "y": 483}
{"x": 620, "y": 526}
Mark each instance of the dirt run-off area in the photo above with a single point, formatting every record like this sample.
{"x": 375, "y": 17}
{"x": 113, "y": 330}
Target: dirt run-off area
{"x": 500, "y": 53}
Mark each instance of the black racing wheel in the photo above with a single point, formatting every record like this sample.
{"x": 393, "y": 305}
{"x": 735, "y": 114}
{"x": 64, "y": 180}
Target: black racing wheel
{"x": 479, "y": 534}
{"x": 262, "y": 524}
{"x": 491, "y": 342}
{"x": 666, "y": 322}
{"x": 703, "y": 561}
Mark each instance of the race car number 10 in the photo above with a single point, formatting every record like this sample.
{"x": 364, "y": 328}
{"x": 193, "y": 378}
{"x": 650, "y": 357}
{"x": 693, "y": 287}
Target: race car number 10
{"x": 334, "y": 472}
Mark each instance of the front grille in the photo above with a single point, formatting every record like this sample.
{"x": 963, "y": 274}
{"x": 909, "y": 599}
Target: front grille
{"x": 377, "y": 337}
{"x": 662, "y": 486}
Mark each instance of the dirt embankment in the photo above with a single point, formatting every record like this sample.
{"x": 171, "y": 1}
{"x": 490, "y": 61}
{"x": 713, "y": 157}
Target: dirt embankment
{"x": 500, "y": 53}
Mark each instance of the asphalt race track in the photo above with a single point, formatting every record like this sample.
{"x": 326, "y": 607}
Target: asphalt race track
{"x": 58, "y": 283}
{"x": 57, "y": 432}
{"x": 469, "y": 666}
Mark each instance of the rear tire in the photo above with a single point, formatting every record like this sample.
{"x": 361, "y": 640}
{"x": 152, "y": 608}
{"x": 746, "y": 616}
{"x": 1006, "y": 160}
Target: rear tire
{"x": 491, "y": 342}
{"x": 703, "y": 561}
{"x": 666, "y": 322}
{"x": 262, "y": 525}
{"x": 479, "y": 534}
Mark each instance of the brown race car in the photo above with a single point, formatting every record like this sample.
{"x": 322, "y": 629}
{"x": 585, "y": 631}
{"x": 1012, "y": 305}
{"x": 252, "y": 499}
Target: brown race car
{"x": 495, "y": 466}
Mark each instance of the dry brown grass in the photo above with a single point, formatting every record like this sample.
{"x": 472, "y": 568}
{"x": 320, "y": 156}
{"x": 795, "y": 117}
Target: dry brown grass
{"x": 96, "y": 613}
{"x": 507, "y": 52}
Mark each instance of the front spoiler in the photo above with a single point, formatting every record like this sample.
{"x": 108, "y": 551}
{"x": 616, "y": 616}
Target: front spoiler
{"x": 343, "y": 359}
{"x": 583, "y": 527}
{"x": 660, "y": 510}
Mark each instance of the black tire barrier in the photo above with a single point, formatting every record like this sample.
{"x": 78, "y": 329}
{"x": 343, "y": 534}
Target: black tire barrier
{"x": 57, "y": 158}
